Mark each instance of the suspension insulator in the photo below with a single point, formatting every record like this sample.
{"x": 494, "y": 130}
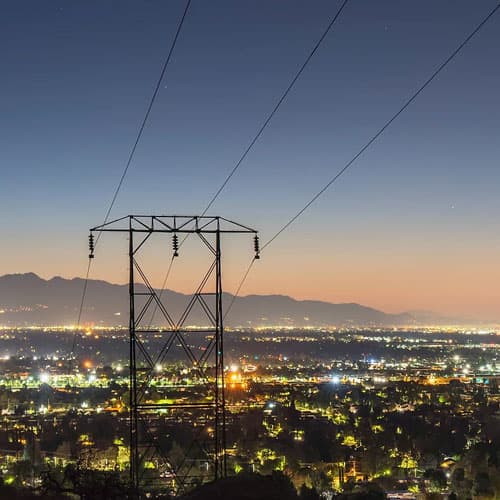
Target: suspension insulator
{"x": 256, "y": 246}
{"x": 175, "y": 245}
{"x": 91, "y": 246}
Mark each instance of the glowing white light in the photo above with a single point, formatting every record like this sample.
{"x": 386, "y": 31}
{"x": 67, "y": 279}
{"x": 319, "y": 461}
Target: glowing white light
{"x": 335, "y": 379}
{"x": 158, "y": 368}
{"x": 44, "y": 378}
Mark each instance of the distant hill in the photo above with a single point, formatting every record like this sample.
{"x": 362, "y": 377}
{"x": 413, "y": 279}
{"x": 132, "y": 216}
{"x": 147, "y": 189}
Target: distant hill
{"x": 27, "y": 299}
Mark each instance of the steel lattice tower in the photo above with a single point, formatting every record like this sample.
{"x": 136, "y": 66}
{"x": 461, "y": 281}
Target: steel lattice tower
{"x": 208, "y": 412}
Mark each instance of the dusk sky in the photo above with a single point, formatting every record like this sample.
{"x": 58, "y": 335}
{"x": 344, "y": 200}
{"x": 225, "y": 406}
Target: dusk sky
{"x": 414, "y": 224}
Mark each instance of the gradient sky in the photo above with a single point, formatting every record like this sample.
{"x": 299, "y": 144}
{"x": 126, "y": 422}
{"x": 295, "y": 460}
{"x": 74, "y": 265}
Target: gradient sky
{"x": 414, "y": 224}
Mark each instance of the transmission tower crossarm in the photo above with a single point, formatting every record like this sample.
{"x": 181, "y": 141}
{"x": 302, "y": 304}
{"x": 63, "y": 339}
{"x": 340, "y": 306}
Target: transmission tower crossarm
{"x": 173, "y": 224}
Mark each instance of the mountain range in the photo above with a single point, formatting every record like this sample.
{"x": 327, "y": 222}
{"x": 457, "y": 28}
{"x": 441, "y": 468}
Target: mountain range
{"x": 26, "y": 300}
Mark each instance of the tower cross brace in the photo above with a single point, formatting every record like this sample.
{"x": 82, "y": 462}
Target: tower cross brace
{"x": 145, "y": 446}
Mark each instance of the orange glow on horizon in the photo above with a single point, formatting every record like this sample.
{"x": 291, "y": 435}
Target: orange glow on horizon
{"x": 460, "y": 281}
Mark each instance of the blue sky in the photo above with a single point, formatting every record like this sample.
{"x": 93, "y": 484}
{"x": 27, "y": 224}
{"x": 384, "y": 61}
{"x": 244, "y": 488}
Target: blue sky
{"x": 412, "y": 225}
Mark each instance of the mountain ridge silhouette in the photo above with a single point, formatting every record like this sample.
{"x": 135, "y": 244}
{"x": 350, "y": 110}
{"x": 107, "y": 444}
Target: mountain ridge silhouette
{"x": 27, "y": 299}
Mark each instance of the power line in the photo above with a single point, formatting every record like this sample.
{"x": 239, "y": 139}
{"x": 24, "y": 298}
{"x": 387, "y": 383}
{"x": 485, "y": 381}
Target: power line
{"x": 237, "y": 293}
{"x": 261, "y": 129}
{"x": 82, "y": 301}
{"x": 162, "y": 291}
{"x": 130, "y": 158}
{"x": 277, "y": 106}
{"x": 368, "y": 144}
{"x": 385, "y": 126}
{"x": 146, "y": 116}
